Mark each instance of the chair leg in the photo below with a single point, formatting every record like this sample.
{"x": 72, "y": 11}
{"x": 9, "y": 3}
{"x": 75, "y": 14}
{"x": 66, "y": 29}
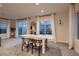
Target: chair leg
{"x": 22, "y": 47}
{"x": 39, "y": 51}
{"x": 46, "y": 43}
{"x": 32, "y": 48}
{"x": 27, "y": 48}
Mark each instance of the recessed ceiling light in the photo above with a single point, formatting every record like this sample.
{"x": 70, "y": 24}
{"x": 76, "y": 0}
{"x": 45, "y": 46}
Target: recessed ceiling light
{"x": 37, "y": 4}
{"x": 42, "y": 11}
{"x": 0, "y": 5}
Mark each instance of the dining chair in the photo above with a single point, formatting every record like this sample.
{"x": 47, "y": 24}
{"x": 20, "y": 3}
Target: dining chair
{"x": 37, "y": 45}
{"x": 26, "y": 43}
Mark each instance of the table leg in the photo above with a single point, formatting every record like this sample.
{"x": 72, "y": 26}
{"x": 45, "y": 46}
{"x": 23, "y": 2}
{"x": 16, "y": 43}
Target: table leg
{"x": 43, "y": 46}
{"x": 46, "y": 43}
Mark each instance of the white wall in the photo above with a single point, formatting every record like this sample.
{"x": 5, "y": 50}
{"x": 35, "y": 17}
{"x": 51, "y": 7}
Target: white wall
{"x": 6, "y": 35}
{"x": 62, "y": 29}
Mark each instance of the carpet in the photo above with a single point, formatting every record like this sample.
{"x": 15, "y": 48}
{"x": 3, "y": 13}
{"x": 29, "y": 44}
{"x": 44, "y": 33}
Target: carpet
{"x": 16, "y": 51}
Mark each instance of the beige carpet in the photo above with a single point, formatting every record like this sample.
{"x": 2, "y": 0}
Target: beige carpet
{"x": 16, "y": 51}
{"x": 12, "y": 47}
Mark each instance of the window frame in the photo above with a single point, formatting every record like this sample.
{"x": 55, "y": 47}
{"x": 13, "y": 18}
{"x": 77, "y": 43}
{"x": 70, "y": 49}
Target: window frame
{"x": 25, "y": 21}
{"x": 45, "y": 30}
{"x": 5, "y": 27}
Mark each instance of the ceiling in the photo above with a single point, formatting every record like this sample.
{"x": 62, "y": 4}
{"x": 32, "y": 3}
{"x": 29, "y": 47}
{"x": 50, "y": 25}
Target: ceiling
{"x": 20, "y": 10}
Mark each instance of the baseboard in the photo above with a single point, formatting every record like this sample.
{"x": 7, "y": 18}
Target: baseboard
{"x": 77, "y": 50}
{"x": 62, "y": 42}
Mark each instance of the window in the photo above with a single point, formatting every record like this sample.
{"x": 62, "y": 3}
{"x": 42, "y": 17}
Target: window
{"x": 45, "y": 27}
{"x": 22, "y": 28}
{"x": 3, "y": 27}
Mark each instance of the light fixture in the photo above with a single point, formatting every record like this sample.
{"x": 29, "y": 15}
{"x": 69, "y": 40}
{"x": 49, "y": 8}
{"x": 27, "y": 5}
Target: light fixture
{"x": 37, "y": 4}
{"x": 0, "y": 5}
{"x": 60, "y": 21}
{"x": 42, "y": 11}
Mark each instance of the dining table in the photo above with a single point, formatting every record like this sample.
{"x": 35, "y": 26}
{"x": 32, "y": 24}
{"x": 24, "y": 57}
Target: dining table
{"x": 38, "y": 37}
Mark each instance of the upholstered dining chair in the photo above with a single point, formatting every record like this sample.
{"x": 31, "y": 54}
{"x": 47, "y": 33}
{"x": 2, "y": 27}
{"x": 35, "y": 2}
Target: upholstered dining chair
{"x": 26, "y": 43}
{"x": 37, "y": 45}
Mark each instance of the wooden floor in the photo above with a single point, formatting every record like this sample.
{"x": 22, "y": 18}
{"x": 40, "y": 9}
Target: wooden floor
{"x": 12, "y": 47}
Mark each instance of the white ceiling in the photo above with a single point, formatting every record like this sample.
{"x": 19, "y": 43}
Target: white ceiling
{"x": 20, "y": 10}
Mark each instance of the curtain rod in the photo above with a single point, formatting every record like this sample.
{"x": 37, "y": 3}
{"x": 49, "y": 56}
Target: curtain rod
{"x": 35, "y": 16}
{"x": 44, "y": 15}
{"x": 22, "y": 18}
{"x": 4, "y": 18}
